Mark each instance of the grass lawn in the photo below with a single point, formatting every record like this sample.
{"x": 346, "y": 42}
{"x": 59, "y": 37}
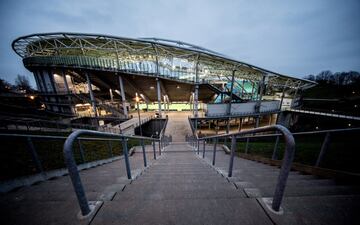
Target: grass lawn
{"x": 343, "y": 152}
{"x": 16, "y": 159}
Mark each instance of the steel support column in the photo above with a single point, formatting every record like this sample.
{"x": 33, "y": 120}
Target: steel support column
{"x": 158, "y": 95}
{"x": 258, "y": 103}
{"x": 67, "y": 89}
{"x": 92, "y": 99}
{"x": 282, "y": 95}
{"x": 65, "y": 81}
{"x": 240, "y": 124}
{"x": 231, "y": 96}
{"x": 123, "y": 98}
{"x": 196, "y": 95}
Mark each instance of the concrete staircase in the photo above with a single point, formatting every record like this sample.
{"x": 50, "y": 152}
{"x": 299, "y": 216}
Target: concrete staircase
{"x": 180, "y": 188}
{"x": 308, "y": 199}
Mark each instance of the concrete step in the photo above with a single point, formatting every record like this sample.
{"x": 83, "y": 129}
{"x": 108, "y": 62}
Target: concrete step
{"x": 181, "y": 186}
{"x": 191, "y": 193}
{"x": 180, "y": 181}
{"x": 182, "y": 211}
{"x": 329, "y": 210}
{"x": 273, "y": 176}
{"x": 291, "y": 182}
{"x": 268, "y": 191}
{"x": 180, "y": 170}
{"x": 189, "y": 176}
{"x": 46, "y": 196}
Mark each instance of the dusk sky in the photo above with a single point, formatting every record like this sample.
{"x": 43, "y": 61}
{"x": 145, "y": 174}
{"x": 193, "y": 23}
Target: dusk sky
{"x": 295, "y": 38}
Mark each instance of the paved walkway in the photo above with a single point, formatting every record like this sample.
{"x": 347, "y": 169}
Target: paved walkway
{"x": 178, "y": 126}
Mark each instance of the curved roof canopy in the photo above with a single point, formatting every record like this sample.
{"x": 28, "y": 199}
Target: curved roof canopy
{"x": 165, "y": 58}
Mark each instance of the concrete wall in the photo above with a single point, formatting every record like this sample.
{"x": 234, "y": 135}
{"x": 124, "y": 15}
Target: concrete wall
{"x": 152, "y": 127}
{"x": 241, "y": 108}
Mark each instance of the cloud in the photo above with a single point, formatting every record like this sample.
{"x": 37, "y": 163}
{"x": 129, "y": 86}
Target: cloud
{"x": 290, "y": 37}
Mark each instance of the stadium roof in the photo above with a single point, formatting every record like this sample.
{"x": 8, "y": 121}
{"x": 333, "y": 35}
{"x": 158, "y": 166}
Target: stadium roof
{"x": 166, "y": 58}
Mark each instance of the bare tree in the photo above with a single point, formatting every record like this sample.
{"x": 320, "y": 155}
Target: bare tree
{"x": 22, "y": 83}
{"x": 5, "y": 86}
{"x": 339, "y": 78}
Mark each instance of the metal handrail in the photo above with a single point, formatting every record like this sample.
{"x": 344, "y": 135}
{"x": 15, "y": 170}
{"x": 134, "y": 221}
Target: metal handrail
{"x": 72, "y": 167}
{"x": 286, "y": 164}
{"x": 323, "y": 149}
{"x": 164, "y": 140}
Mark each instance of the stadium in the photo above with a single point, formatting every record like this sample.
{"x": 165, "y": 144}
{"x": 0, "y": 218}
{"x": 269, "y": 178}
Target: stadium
{"x": 100, "y": 75}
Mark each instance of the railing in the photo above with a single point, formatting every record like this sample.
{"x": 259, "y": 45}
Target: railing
{"x": 166, "y": 139}
{"x": 36, "y": 124}
{"x": 72, "y": 167}
{"x": 324, "y": 146}
{"x": 238, "y": 109}
{"x": 30, "y": 148}
{"x": 101, "y": 104}
{"x": 332, "y": 114}
{"x": 336, "y": 111}
{"x": 286, "y": 163}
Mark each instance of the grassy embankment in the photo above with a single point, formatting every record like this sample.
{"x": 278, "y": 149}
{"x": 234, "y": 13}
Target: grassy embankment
{"x": 342, "y": 154}
{"x": 16, "y": 159}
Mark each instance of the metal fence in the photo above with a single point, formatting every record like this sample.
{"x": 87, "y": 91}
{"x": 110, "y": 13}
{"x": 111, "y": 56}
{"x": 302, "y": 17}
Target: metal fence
{"x": 318, "y": 145}
{"x": 286, "y": 163}
{"x": 72, "y": 166}
{"x": 249, "y": 137}
{"x": 40, "y": 125}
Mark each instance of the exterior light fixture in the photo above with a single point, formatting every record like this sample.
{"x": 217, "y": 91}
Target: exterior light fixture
{"x": 178, "y": 87}
{"x": 152, "y": 87}
{"x": 317, "y": 128}
{"x": 137, "y": 99}
{"x": 349, "y": 124}
{"x": 32, "y": 97}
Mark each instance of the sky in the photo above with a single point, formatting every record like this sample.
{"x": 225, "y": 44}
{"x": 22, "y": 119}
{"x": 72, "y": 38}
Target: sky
{"x": 295, "y": 38}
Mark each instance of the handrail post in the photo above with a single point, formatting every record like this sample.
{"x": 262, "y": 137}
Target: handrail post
{"x": 159, "y": 147}
{"x": 285, "y": 168}
{"x": 144, "y": 153}
{"x": 81, "y": 151}
{"x": 324, "y": 147}
{"x": 34, "y": 155}
{"x": 126, "y": 156}
{"x": 110, "y": 148}
{"x": 214, "y": 153}
{"x": 247, "y": 145}
{"x": 203, "y": 155}
{"x": 197, "y": 146}
{"x": 75, "y": 177}
{"x": 233, "y": 148}
{"x": 153, "y": 144}
{"x": 274, "y": 155}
